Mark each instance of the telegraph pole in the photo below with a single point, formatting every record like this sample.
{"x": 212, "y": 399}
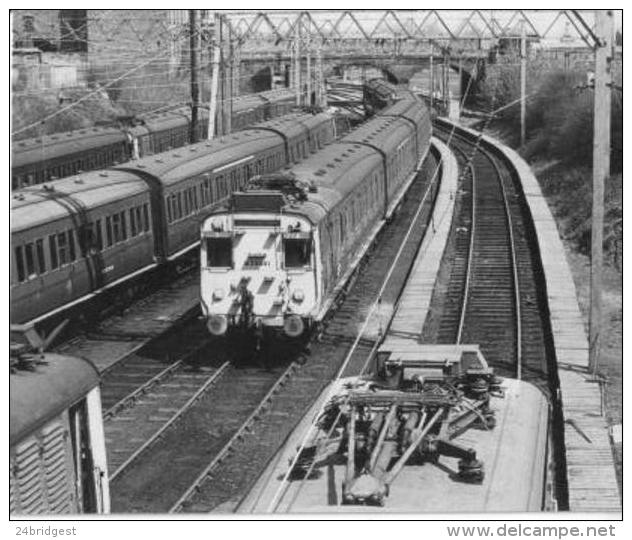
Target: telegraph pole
{"x": 523, "y": 83}
{"x": 194, "y": 44}
{"x": 212, "y": 115}
{"x": 601, "y": 170}
{"x": 228, "y": 77}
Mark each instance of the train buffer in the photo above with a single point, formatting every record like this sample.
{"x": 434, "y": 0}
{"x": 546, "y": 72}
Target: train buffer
{"x": 419, "y": 402}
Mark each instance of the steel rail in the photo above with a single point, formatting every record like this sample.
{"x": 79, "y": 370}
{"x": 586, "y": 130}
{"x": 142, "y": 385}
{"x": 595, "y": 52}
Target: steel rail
{"x": 512, "y": 250}
{"x": 236, "y": 436}
{"x": 126, "y": 401}
{"x": 211, "y": 380}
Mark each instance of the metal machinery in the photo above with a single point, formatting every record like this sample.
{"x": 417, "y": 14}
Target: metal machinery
{"x": 411, "y": 412}
{"x": 57, "y": 460}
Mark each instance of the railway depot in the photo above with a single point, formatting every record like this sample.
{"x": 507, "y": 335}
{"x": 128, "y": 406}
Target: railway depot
{"x": 330, "y": 297}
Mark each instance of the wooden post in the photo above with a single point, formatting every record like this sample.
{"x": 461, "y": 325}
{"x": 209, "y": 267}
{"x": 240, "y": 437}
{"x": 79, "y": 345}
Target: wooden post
{"x": 228, "y": 74}
{"x": 601, "y": 170}
{"x": 523, "y": 83}
{"x": 212, "y": 114}
{"x": 194, "y": 45}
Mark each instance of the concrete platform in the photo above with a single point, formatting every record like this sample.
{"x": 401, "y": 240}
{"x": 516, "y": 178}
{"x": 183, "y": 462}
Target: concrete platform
{"x": 592, "y": 482}
{"x": 414, "y": 303}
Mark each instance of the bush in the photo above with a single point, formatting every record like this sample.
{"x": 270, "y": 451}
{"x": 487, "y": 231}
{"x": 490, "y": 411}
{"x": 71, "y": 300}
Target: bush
{"x": 559, "y": 112}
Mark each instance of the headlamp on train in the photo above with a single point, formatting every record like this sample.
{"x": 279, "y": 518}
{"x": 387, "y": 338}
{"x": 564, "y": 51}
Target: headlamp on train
{"x": 293, "y": 326}
{"x": 217, "y": 325}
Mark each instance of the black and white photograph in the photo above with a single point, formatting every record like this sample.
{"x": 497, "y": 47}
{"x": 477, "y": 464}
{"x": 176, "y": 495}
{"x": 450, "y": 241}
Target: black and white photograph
{"x": 344, "y": 263}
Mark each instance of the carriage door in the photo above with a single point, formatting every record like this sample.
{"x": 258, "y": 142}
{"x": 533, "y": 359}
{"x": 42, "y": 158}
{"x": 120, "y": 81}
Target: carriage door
{"x": 82, "y": 454}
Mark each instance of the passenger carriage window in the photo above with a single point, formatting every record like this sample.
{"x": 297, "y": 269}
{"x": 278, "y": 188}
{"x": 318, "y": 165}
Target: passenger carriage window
{"x": 19, "y": 263}
{"x": 297, "y": 252}
{"x": 138, "y": 219}
{"x": 71, "y": 245}
{"x": 146, "y": 217}
{"x": 220, "y": 186}
{"x": 62, "y": 248}
{"x": 168, "y": 206}
{"x": 41, "y": 260}
{"x": 219, "y": 252}
{"x": 52, "y": 244}
{"x": 108, "y": 231}
{"x": 116, "y": 227}
{"x": 123, "y": 227}
{"x": 185, "y": 196}
{"x": 179, "y": 202}
{"x": 132, "y": 222}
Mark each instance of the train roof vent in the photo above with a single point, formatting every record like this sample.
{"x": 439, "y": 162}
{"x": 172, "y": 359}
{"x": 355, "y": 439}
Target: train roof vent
{"x": 337, "y": 160}
{"x": 177, "y": 155}
{"x": 320, "y": 172}
{"x": 331, "y": 165}
{"x": 79, "y": 180}
{"x": 105, "y": 175}
{"x": 19, "y": 196}
{"x": 160, "y": 160}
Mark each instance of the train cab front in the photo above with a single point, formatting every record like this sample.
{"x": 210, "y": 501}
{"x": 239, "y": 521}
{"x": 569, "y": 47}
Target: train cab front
{"x": 258, "y": 270}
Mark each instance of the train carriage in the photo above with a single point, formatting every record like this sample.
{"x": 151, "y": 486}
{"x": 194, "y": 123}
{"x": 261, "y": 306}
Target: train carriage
{"x": 76, "y": 238}
{"x": 57, "y": 458}
{"x": 59, "y": 155}
{"x": 39, "y": 160}
{"x": 278, "y": 252}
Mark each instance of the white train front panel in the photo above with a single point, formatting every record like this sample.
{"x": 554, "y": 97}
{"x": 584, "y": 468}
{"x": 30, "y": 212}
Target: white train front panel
{"x": 259, "y": 269}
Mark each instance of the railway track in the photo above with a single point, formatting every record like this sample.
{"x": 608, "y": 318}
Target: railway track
{"x": 492, "y": 296}
{"x": 222, "y": 483}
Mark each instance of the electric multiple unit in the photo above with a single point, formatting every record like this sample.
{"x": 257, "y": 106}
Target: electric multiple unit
{"x": 278, "y": 252}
